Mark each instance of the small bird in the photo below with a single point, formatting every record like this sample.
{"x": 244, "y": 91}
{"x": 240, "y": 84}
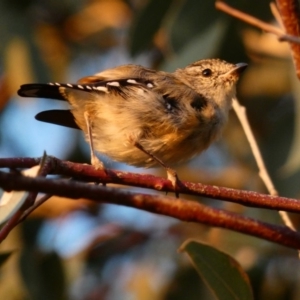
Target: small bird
{"x": 144, "y": 117}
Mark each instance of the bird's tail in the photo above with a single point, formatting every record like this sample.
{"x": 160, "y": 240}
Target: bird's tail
{"x": 40, "y": 90}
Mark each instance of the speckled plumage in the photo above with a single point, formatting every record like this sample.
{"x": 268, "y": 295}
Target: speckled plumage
{"x": 173, "y": 116}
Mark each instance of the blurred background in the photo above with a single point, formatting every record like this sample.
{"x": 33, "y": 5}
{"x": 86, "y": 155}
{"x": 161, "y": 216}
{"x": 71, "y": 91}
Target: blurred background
{"x": 78, "y": 250}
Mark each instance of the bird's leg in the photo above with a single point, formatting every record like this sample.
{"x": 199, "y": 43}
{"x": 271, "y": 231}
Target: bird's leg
{"x": 171, "y": 174}
{"x": 95, "y": 161}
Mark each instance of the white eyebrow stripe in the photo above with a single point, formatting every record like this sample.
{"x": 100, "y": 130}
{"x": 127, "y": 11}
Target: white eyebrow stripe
{"x": 132, "y": 81}
{"x": 113, "y": 83}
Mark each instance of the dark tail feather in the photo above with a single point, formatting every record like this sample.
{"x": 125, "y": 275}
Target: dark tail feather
{"x": 40, "y": 90}
{"x": 58, "y": 117}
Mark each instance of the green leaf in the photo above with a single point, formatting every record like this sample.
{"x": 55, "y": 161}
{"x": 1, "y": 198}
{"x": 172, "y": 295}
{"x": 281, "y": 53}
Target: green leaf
{"x": 220, "y": 272}
{"x": 42, "y": 274}
{"x": 146, "y": 24}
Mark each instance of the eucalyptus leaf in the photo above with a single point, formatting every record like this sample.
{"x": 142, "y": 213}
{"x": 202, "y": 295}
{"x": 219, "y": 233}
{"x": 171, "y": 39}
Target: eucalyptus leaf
{"x": 220, "y": 272}
{"x": 43, "y": 274}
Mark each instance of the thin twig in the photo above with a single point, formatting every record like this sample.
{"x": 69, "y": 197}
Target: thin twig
{"x": 276, "y": 14}
{"x": 282, "y": 36}
{"x": 37, "y": 204}
{"x": 11, "y": 223}
{"x": 263, "y": 173}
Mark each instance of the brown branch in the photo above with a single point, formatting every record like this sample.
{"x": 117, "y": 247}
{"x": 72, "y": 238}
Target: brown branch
{"x": 33, "y": 207}
{"x": 290, "y": 16}
{"x": 88, "y": 173}
{"x": 184, "y": 210}
{"x": 257, "y": 23}
{"x": 11, "y": 223}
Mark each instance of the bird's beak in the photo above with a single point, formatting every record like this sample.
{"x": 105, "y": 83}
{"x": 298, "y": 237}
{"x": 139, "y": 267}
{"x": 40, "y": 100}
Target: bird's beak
{"x": 239, "y": 68}
{"x": 235, "y": 72}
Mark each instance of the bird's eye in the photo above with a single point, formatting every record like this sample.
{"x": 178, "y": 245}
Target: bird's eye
{"x": 207, "y": 72}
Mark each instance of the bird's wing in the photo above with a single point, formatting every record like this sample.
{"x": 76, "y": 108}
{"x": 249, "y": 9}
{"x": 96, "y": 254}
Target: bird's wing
{"x": 99, "y": 82}
{"x": 118, "y": 83}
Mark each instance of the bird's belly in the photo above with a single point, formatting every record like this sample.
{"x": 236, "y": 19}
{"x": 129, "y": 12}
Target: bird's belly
{"x": 169, "y": 148}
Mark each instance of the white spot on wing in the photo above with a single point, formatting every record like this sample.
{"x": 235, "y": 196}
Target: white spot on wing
{"x": 56, "y": 83}
{"x": 79, "y": 86}
{"x": 51, "y": 83}
{"x": 69, "y": 84}
{"x": 113, "y": 83}
{"x": 150, "y": 85}
{"x": 132, "y": 81}
{"x": 88, "y": 87}
{"x": 101, "y": 88}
